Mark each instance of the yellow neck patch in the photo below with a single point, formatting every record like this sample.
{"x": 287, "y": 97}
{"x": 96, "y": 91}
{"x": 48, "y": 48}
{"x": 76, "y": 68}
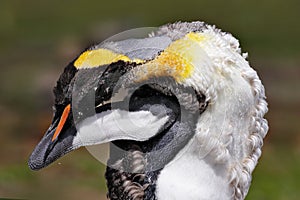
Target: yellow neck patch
{"x": 177, "y": 60}
{"x": 98, "y": 57}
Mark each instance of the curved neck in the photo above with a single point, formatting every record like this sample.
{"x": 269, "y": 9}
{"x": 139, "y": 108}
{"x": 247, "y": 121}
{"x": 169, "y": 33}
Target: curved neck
{"x": 152, "y": 156}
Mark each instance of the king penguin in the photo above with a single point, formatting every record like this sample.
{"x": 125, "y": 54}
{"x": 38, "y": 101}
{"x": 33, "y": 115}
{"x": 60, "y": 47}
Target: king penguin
{"x": 182, "y": 110}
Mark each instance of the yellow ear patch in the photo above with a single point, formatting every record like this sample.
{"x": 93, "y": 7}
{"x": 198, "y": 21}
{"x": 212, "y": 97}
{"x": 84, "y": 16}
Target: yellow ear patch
{"x": 177, "y": 60}
{"x": 196, "y": 37}
{"x": 98, "y": 57}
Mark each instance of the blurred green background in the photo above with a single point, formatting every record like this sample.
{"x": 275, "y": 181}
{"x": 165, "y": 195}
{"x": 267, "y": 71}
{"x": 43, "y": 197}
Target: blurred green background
{"x": 39, "y": 38}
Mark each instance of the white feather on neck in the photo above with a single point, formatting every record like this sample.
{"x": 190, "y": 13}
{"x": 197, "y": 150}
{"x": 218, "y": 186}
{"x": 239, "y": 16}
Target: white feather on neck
{"x": 201, "y": 170}
{"x": 219, "y": 160}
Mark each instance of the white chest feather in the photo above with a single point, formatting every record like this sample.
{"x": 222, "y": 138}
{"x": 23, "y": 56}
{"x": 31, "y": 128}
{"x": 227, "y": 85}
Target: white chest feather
{"x": 188, "y": 177}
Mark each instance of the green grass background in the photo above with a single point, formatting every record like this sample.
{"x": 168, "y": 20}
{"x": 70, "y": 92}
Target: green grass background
{"x": 38, "y": 39}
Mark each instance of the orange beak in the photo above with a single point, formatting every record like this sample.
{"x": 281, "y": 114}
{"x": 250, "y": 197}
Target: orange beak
{"x": 62, "y": 121}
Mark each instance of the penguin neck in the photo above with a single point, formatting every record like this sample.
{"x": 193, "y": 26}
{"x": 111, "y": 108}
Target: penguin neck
{"x": 145, "y": 160}
{"x": 206, "y": 179}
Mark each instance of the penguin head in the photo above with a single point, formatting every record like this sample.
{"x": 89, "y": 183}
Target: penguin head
{"x": 126, "y": 90}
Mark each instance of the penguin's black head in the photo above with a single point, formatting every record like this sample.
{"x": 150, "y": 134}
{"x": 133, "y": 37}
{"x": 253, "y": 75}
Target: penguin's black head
{"x": 105, "y": 95}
